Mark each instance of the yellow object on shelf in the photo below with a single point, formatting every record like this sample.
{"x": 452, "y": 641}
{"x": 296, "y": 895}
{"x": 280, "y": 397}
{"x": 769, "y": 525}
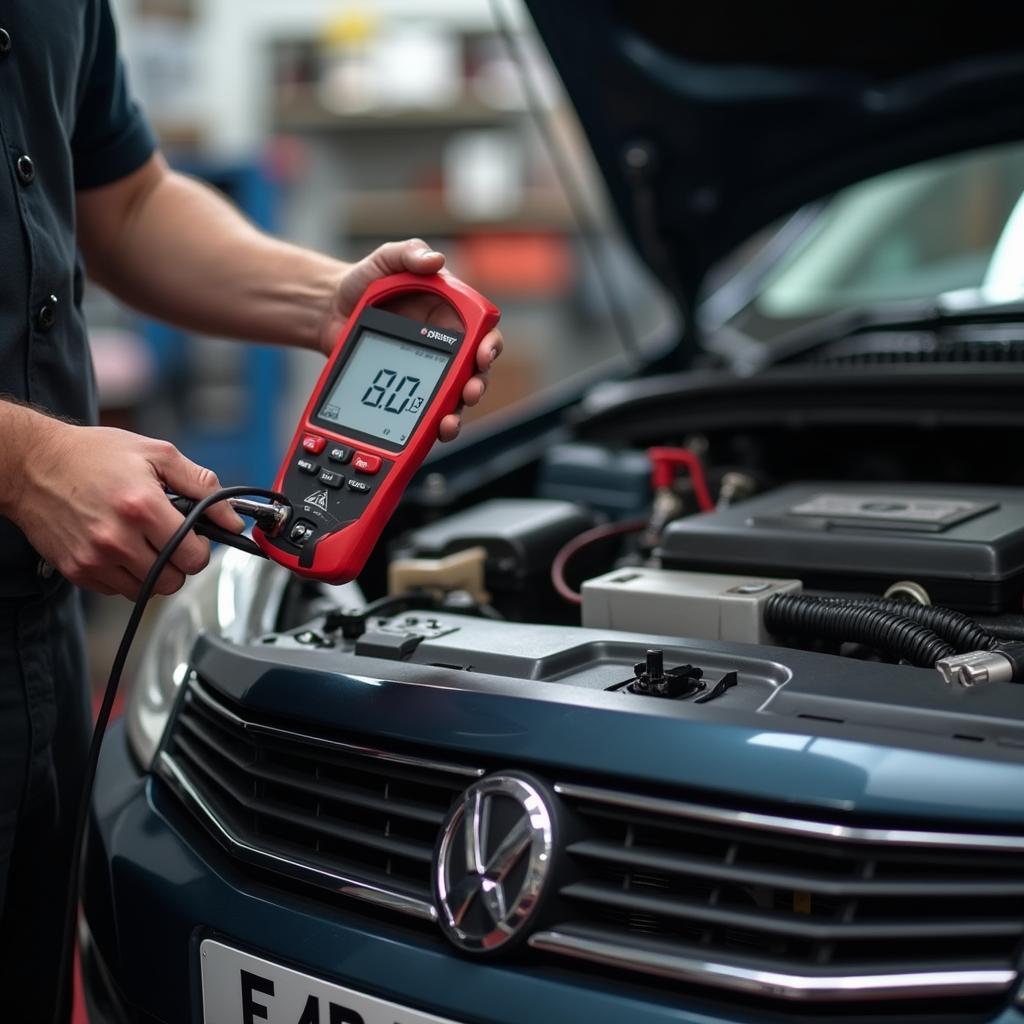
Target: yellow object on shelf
{"x": 347, "y": 82}
{"x": 353, "y": 28}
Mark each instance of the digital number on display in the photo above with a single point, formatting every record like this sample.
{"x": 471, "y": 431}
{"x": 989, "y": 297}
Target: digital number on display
{"x": 399, "y": 397}
{"x": 384, "y": 386}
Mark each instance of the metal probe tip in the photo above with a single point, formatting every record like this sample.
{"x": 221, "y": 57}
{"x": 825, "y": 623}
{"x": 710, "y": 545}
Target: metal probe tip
{"x": 269, "y": 517}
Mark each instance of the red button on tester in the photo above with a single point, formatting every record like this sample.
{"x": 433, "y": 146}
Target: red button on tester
{"x": 313, "y": 444}
{"x": 364, "y": 463}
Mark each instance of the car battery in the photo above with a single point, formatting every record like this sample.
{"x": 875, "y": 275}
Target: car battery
{"x": 963, "y": 545}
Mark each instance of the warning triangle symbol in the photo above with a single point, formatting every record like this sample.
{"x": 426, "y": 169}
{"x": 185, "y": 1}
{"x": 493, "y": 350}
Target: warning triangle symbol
{"x": 317, "y": 498}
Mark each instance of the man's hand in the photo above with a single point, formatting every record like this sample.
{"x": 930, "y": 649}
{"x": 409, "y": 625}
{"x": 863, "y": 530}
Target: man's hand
{"x": 416, "y": 256}
{"x": 91, "y": 502}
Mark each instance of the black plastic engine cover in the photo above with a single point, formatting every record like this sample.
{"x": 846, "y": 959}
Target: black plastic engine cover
{"x": 521, "y": 537}
{"x": 965, "y": 545}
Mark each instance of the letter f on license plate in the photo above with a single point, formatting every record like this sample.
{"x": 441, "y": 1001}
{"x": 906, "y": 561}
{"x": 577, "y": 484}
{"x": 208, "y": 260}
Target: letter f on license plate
{"x": 239, "y": 987}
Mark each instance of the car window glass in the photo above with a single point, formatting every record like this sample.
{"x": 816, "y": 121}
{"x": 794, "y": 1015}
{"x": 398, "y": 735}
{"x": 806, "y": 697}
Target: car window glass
{"x": 911, "y": 233}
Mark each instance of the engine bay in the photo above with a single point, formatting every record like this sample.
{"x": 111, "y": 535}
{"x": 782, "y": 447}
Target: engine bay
{"x": 642, "y": 574}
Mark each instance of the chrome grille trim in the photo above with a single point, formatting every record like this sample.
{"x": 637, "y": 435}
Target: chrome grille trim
{"x": 341, "y": 879}
{"x": 790, "y": 826}
{"x": 427, "y": 764}
{"x": 796, "y": 987}
{"x": 356, "y": 888}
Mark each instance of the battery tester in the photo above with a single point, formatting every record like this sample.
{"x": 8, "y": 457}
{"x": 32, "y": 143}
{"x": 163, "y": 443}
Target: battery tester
{"x": 367, "y": 427}
{"x": 371, "y": 420}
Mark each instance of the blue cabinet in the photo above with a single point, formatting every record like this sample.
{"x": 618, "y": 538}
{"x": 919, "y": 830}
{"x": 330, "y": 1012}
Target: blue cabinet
{"x": 220, "y": 401}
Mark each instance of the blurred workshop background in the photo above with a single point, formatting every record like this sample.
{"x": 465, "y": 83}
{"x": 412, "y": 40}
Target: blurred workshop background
{"x": 341, "y": 124}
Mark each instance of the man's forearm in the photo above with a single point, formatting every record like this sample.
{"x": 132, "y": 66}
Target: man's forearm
{"x": 175, "y": 249}
{"x": 21, "y": 427}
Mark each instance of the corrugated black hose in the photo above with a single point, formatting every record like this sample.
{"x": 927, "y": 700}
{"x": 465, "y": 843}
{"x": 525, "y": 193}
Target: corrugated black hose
{"x": 891, "y": 633}
{"x": 954, "y": 627}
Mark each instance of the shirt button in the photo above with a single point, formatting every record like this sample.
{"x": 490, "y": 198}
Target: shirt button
{"x": 5, "y": 42}
{"x": 26, "y": 169}
{"x": 47, "y": 315}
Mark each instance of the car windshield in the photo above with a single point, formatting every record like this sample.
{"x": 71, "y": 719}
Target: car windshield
{"x": 942, "y": 226}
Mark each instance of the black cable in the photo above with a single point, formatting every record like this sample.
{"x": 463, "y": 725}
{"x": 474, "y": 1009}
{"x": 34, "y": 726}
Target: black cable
{"x": 216, "y": 533}
{"x": 103, "y": 718}
{"x": 954, "y": 627}
{"x": 891, "y": 633}
{"x": 611, "y": 284}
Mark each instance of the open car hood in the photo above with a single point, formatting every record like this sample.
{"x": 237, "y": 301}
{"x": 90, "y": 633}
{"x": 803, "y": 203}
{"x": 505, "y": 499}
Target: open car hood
{"x": 711, "y": 121}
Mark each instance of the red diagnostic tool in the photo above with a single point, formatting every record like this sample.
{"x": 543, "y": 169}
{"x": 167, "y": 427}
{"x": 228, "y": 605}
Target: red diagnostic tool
{"x": 370, "y": 422}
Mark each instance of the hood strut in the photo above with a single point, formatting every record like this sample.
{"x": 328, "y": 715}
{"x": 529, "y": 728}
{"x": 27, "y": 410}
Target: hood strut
{"x": 618, "y": 308}
{"x": 641, "y": 162}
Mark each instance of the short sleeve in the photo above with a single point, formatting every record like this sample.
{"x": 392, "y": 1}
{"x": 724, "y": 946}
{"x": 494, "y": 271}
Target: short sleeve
{"x": 112, "y": 137}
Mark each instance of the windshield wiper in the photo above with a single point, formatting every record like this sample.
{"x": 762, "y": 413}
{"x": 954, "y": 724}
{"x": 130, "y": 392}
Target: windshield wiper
{"x": 922, "y": 315}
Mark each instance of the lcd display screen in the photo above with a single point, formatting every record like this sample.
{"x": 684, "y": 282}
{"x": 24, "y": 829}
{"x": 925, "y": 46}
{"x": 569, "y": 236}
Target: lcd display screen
{"x": 384, "y": 387}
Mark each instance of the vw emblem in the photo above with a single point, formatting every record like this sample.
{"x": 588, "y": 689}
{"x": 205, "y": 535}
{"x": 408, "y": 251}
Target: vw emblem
{"x": 493, "y": 861}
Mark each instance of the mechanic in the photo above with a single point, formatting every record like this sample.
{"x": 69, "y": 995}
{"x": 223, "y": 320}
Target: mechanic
{"x": 81, "y": 180}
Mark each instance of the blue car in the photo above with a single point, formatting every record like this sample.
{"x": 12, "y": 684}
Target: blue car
{"x": 692, "y": 696}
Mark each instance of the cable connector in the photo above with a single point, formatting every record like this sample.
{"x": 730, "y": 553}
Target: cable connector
{"x": 666, "y": 506}
{"x": 269, "y": 516}
{"x": 665, "y": 462}
{"x": 1004, "y": 664}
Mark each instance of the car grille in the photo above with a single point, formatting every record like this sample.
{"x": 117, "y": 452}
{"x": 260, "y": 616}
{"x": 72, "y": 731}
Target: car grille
{"x": 360, "y": 821}
{"x": 773, "y": 907}
{"x": 687, "y": 891}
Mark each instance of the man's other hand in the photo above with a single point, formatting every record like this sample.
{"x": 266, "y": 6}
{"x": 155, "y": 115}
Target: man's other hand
{"x": 91, "y": 501}
{"x": 416, "y": 256}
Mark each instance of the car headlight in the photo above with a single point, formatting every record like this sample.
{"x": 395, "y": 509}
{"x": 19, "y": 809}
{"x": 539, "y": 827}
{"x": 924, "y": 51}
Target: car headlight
{"x": 236, "y": 596}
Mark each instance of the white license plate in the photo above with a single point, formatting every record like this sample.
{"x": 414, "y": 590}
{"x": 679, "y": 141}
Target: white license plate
{"x": 243, "y": 989}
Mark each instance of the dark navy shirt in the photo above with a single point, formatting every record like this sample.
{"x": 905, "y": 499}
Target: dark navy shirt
{"x": 67, "y": 123}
